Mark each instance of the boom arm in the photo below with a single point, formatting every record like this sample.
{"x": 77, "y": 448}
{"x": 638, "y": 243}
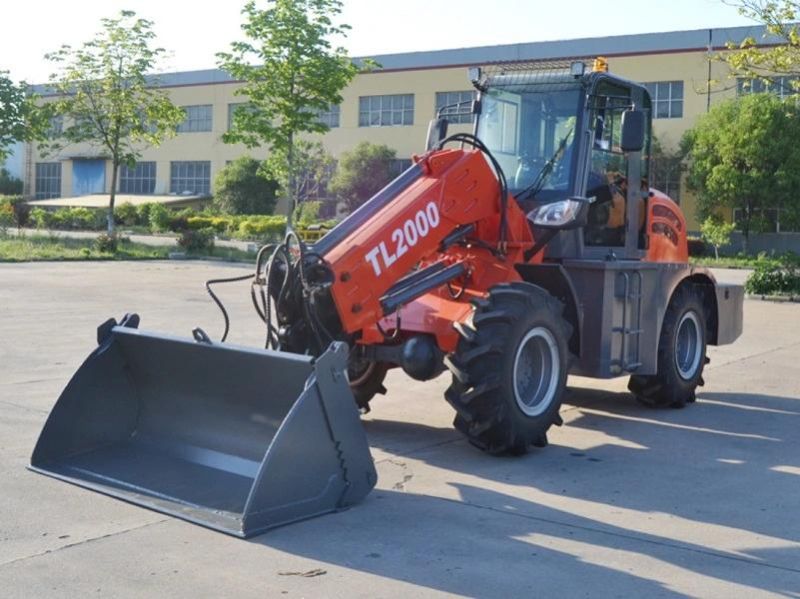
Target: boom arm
{"x": 388, "y": 236}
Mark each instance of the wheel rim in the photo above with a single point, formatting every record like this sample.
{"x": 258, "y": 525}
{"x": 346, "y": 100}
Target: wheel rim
{"x": 688, "y": 345}
{"x": 536, "y": 371}
{"x": 359, "y": 370}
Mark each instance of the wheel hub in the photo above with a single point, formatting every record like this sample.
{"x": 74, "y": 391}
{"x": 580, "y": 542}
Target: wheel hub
{"x": 537, "y": 369}
{"x": 688, "y": 345}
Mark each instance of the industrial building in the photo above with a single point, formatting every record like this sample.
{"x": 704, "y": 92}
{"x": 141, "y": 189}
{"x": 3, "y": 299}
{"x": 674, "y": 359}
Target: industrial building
{"x": 393, "y": 104}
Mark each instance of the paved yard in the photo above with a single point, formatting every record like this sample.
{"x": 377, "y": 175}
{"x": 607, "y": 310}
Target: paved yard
{"x": 625, "y": 502}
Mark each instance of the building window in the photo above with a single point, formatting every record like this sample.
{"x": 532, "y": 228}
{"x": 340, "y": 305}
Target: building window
{"x": 232, "y": 108}
{"x": 48, "y": 180}
{"x": 783, "y": 87}
{"x": 190, "y": 177}
{"x": 139, "y": 180}
{"x": 667, "y": 97}
{"x": 385, "y": 111}
{"x": 198, "y": 118}
{"x": 330, "y": 117}
{"x": 460, "y": 106}
{"x": 399, "y": 165}
{"x": 56, "y": 126}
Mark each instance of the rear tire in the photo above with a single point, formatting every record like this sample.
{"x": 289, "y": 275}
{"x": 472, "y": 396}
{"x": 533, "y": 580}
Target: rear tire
{"x": 366, "y": 381}
{"x": 510, "y": 369}
{"x": 681, "y": 354}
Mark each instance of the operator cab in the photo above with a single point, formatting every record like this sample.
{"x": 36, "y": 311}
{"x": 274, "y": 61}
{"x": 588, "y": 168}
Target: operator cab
{"x": 556, "y": 131}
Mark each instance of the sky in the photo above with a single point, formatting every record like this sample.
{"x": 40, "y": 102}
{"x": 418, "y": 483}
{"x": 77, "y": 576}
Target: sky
{"x": 193, "y": 31}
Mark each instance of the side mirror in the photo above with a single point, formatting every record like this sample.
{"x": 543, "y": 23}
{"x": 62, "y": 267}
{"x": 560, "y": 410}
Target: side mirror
{"x": 437, "y": 132}
{"x": 633, "y": 128}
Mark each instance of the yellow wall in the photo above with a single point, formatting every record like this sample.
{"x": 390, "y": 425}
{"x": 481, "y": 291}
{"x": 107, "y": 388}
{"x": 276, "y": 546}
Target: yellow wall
{"x": 690, "y": 67}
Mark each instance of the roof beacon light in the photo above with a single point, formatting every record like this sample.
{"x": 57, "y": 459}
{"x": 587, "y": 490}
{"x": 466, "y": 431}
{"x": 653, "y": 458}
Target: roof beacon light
{"x": 600, "y": 65}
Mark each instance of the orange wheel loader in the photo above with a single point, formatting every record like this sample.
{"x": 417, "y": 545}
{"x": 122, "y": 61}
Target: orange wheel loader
{"x": 531, "y": 249}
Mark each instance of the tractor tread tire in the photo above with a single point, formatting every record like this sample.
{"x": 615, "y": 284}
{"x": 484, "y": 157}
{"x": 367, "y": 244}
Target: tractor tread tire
{"x": 371, "y": 386}
{"x": 666, "y": 389}
{"x": 481, "y": 392}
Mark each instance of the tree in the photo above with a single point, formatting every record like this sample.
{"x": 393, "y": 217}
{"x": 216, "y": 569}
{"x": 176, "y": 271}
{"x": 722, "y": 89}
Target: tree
{"x": 362, "y": 172}
{"x": 744, "y": 154}
{"x": 313, "y": 168}
{"x": 716, "y": 232}
{"x": 20, "y": 119}
{"x": 106, "y": 98}
{"x": 666, "y": 169}
{"x": 242, "y": 188}
{"x": 291, "y": 72}
{"x": 9, "y": 185}
{"x": 775, "y": 66}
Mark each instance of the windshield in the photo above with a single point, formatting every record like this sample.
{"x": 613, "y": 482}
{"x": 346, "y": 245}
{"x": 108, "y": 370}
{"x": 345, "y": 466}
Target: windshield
{"x": 531, "y": 133}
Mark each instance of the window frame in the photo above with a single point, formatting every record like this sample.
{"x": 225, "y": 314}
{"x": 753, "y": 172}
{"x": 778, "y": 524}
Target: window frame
{"x": 139, "y": 180}
{"x": 654, "y": 88}
{"x": 49, "y": 180}
{"x": 331, "y": 117}
{"x": 196, "y": 123}
{"x": 383, "y": 107}
{"x": 190, "y": 175}
{"x": 463, "y": 115}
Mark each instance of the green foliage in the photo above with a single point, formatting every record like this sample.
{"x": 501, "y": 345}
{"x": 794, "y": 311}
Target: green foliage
{"x": 361, "y": 173}
{"x": 306, "y": 213}
{"x": 67, "y": 218}
{"x": 243, "y": 188}
{"x": 271, "y": 228}
{"x": 19, "y": 209}
{"x": 40, "y": 218}
{"x": 126, "y": 214}
{"x": 312, "y": 168}
{"x": 716, "y": 232}
{"x": 770, "y": 278}
{"x": 158, "y": 218}
{"x": 105, "y": 98}
{"x": 9, "y": 185}
{"x": 763, "y": 63}
{"x": 107, "y": 244}
{"x": 6, "y": 217}
{"x": 290, "y": 72}
{"x": 20, "y": 118}
{"x": 197, "y": 241}
{"x": 743, "y": 154}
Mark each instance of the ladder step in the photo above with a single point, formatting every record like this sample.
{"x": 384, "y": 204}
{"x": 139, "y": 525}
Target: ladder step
{"x": 628, "y": 331}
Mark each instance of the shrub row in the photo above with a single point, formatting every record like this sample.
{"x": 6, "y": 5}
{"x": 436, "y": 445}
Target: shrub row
{"x": 158, "y": 218}
{"x": 781, "y": 277}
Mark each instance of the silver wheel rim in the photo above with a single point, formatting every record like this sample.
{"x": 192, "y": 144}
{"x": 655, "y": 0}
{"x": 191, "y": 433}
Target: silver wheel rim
{"x": 537, "y": 368}
{"x": 688, "y": 345}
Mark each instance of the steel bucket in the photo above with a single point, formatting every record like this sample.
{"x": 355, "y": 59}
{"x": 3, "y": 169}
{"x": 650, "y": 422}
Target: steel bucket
{"x": 233, "y": 438}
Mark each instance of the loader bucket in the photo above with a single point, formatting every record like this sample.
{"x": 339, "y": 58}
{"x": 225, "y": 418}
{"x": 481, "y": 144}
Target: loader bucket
{"x": 233, "y": 438}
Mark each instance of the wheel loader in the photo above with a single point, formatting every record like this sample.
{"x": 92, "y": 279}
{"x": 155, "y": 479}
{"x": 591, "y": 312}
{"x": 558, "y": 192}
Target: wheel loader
{"x": 512, "y": 256}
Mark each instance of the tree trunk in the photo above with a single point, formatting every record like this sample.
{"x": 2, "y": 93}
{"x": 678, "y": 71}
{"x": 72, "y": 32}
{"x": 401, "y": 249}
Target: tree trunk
{"x": 114, "y": 172}
{"x": 291, "y": 181}
{"x": 716, "y": 252}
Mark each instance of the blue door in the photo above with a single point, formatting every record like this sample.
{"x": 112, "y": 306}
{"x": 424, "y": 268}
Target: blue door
{"x": 88, "y": 176}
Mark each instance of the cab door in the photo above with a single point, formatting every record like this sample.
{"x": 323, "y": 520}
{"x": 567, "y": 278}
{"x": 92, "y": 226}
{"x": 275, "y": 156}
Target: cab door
{"x": 613, "y": 178}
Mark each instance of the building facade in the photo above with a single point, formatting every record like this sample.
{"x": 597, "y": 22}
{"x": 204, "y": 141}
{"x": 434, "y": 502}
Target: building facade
{"x": 392, "y": 105}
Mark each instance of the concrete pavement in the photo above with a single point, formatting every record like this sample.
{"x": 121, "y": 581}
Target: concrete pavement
{"x": 624, "y": 502}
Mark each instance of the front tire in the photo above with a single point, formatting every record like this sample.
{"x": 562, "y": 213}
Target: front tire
{"x": 510, "y": 369}
{"x": 366, "y": 381}
{"x": 681, "y": 354}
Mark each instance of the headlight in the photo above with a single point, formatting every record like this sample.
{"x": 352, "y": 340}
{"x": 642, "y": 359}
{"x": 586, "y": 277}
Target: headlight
{"x": 558, "y": 215}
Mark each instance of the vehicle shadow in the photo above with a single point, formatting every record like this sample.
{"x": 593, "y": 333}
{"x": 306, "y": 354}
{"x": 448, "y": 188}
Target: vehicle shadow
{"x": 632, "y": 481}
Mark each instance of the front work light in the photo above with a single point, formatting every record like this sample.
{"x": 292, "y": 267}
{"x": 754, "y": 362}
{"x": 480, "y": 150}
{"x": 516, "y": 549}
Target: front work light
{"x": 565, "y": 214}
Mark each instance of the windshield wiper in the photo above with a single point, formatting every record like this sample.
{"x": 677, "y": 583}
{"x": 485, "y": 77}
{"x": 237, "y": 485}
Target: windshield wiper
{"x": 535, "y": 187}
